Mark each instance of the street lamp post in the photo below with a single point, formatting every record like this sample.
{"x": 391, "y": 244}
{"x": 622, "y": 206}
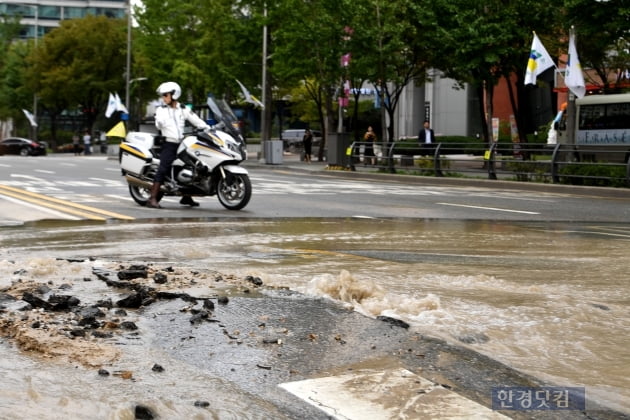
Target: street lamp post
{"x": 35, "y": 94}
{"x": 128, "y": 67}
{"x": 265, "y": 110}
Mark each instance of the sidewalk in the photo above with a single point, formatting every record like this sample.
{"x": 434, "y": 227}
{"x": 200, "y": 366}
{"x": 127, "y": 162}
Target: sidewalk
{"x": 291, "y": 161}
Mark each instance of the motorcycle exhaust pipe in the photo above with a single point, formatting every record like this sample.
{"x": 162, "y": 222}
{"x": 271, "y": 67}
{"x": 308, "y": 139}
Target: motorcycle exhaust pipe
{"x": 138, "y": 182}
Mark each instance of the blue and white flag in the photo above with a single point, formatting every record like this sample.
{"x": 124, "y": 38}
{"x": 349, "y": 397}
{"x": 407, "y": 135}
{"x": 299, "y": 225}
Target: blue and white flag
{"x": 111, "y": 106}
{"x": 539, "y": 61}
{"x": 119, "y": 105}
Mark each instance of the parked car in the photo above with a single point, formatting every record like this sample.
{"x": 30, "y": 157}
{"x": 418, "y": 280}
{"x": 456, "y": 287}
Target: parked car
{"x": 21, "y": 146}
{"x": 292, "y": 139}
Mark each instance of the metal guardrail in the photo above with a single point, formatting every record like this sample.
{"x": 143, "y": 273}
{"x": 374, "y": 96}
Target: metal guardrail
{"x": 559, "y": 163}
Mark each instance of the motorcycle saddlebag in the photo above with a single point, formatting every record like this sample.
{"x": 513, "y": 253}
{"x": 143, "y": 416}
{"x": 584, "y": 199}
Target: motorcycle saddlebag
{"x": 133, "y": 159}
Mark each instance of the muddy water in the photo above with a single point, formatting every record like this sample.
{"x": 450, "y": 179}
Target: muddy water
{"x": 552, "y": 300}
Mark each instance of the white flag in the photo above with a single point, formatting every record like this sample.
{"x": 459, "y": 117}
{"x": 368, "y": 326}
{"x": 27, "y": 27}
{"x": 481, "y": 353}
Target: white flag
{"x": 111, "y": 106}
{"x": 249, "y": 97}
{"x": 574, "y": 78}
{"x": 31, "y": 118}
{"x": 539, "y": 61}
{"x": 119, "y": 105}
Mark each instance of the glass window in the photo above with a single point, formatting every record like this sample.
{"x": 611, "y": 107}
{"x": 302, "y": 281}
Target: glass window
{"x": 50, "y": 12}
{"x": 591, "y": 116}
{"x": 18, "y": 10}
{"x": 604, "y": 116}
{"x": 74, "y": 12}
{"x": 618, "y": 115}
{"x": 27, "y": 31}
{"x": 106, "y": 11}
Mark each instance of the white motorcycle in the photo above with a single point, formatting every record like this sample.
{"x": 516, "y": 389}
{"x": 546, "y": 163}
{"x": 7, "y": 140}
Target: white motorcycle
{"x": 207, "y": 163}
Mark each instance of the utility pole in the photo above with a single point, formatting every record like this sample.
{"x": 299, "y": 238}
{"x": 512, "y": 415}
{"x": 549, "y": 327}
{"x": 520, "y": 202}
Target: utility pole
{"x": 265, "y": 110}
{"x": 128, "y": 70}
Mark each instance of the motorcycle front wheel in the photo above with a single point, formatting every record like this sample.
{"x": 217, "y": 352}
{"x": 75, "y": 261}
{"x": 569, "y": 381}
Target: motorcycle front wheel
{"x": 141, "y": 195}
{"x": 234, "y": 191}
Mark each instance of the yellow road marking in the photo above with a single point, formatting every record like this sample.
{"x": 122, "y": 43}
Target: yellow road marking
{"x": 63, "y": 206}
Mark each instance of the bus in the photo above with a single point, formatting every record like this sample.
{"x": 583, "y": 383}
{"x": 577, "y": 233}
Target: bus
{"x": 600, "y": 120}
{"x": 602, "y": 129}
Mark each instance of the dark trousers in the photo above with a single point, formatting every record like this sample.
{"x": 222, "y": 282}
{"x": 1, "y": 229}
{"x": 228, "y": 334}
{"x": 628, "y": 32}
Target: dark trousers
{"x": 427, "y": 149}
{"x": 167, "y": 156}
{"x": 308, "y": 147}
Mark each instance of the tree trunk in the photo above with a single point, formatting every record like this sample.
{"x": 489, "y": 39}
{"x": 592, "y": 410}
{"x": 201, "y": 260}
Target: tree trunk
{"x": 515, "y": 110}
{"x": 482, "y": 114}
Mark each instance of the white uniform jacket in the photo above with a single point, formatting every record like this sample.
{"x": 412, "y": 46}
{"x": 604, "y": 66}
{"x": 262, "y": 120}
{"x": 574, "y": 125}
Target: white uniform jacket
{"x": 170, "y": 121}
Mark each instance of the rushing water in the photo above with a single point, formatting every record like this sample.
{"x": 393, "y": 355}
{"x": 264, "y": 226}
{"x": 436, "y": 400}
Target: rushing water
{"x": 552, "y": 300}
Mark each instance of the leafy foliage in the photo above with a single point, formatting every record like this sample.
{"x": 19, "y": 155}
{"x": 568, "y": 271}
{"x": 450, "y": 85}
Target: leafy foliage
{"x": 77, "y": 65}
{"x": 206, "y": 44}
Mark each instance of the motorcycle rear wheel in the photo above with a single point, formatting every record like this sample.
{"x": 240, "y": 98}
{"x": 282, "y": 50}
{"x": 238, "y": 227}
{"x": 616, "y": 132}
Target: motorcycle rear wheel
{"x": 234, "y": 191}
{"x": 141, "y": 195}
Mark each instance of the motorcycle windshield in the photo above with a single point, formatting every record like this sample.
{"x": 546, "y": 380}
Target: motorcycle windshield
{"x": 221, "y": 111}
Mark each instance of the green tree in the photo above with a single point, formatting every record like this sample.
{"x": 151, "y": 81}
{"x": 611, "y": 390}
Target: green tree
{"x": 11, "y": 65}
{"x": 14, "y": 95}
{"x": 603, "y": 37}
{"x": 484, "y": 42}
{"x": 307, "y": 49}
{"x": 77, "y": 65}
{"x": 201, "y": 45}
{"x": 394, "y": 44}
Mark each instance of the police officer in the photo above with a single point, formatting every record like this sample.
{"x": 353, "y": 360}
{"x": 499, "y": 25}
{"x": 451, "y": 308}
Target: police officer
{"x": 170, "y": 119}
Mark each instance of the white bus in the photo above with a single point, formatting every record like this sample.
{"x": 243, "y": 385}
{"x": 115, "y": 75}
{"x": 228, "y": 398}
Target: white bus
{"x": 602, "y": 120}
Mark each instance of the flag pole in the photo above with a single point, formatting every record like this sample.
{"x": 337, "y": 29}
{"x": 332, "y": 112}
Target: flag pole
{"x": 571, "y": 108}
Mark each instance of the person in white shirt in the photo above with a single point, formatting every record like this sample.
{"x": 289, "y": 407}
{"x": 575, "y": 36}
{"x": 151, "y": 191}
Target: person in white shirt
{"x": 87, "y": 143}
{"x": 170, "y": 119}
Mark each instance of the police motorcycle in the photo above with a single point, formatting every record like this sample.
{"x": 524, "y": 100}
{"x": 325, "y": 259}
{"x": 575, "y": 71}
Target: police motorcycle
{"x": 207, "y": 164}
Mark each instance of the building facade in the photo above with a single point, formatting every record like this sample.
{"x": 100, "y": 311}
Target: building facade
{"x": 39, "y": 17}
{"x": 452, "y": 110}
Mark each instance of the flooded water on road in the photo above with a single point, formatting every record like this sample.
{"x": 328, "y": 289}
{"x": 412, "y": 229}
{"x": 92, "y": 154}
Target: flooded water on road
{"x": 552, "y": 300}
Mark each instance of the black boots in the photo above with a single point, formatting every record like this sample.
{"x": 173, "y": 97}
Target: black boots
{"x": 153, "y": 201}
{"x": 188, "y": 201}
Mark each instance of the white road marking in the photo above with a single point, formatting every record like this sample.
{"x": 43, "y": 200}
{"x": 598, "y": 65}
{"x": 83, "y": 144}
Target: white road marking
{"x": 119, "y": 197}
{"x": 33, "y": 178}
{"x": 384, "y": 395}
{"x": 109, "y": 182}
{"x": 266, "y": 186}
{"x": 488, "y": 208}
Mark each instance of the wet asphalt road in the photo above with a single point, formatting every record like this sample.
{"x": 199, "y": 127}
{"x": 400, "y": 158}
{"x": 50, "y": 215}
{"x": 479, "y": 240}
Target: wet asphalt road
{"x": 335, "y": 339}
{"x": 93, "y": 188}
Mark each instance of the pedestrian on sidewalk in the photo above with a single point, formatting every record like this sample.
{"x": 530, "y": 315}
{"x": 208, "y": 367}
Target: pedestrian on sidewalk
{"x": 76, "y": 145}
{"x": 368, "y": 152}
{"x": 87, "y": 143}
{"x": 426, "y": 138}
{"x": 307, "y": 141}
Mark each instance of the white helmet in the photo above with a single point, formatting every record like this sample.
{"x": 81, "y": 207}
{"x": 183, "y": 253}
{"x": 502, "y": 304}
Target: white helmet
{"x": 169, "y": 87}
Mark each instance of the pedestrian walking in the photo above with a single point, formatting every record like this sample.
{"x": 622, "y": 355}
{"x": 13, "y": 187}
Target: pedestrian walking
{"x": 87, "y": 143}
